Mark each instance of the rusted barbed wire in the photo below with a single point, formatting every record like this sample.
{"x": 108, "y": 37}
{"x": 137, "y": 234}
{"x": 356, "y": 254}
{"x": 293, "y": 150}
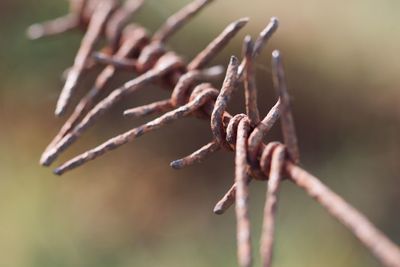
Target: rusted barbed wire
{"x": 130, "y": 47}
{"x": 275, "y": 173}
{"x": 154, "y": 66}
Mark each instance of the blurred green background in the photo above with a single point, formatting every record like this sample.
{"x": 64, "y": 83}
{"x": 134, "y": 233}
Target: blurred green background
{"x": 129, "y": 208}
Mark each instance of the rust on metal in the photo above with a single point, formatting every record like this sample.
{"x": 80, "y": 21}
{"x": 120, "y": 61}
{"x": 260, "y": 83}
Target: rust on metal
{"x": 205, "y": 56}
{"x": 287, "y": 122}
{"x": 130, "y": 48}
{"x": 261, "y": 130}
{"x": 96, "y": 25}
{"x": 115, "y": 142}
{"x": 373, "y": 239}
{"x": 243, "y": 234}
{"x": 65, "y": 139}
{"x": 197, "y": 156}
{"x": 221, "y": 103}
{"x": 175, "y": 22}
{"x": 250, "y": 88}
{"x": 275, "y": 177}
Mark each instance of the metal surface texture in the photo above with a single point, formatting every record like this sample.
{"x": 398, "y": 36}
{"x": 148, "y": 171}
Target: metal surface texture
{"x": 129, "y": 46}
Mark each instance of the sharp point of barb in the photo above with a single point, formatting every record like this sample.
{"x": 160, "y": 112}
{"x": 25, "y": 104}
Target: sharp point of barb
{"x": 276, "y": 54}
{"x": 242, "y": 21}
{"x": 35, "y": 32}
{"x": 218, "y": 210}
{"x": 58, "y": 171}
{"x": 127, "y": 113}
{"x": 247, "y": 39}
{"x": 247, "y": 46}
{"x": 130, "y": 113}
{"x": 59, "y": 111}
{"x": 233, "y": 60}
{"x": 65, "y": 95}
{"x": 45, "y": 160}
{"x": 176, "y": 164}
{"x": 274, "y": 21}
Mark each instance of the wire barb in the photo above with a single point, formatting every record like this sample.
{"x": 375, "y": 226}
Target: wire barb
{"x": 53, "y": 27}
{"x": 222, "y": 101}
{"x": 288, "y": 129}
{"x": 175, "y": 22}
{"x": 217, "y": 44}
{"x": 148, "y": 56}
{"x": 120, "y": 63}
{"x": 124, "y": 138}
{"x": 197, "y": 156}
{"x": 167, "y": 63}
{"x": 250, "y": 83}
{"x": 102, "y": 12}
{"x": 156, "y": 107}
{"x": 265, "y": 35}
{"x": 135, "y": 37}
{"x": 267, "y": 237}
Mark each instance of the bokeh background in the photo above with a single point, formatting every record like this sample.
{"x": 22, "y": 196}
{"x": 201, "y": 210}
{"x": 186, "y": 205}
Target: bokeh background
{"x": 129, "y": 208}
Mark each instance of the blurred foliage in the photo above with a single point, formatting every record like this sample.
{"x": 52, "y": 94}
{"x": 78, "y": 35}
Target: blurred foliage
{"x": 129, "y": 209}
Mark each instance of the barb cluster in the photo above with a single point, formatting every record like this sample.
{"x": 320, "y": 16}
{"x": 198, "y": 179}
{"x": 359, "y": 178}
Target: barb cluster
{"x": 129, "y": 46}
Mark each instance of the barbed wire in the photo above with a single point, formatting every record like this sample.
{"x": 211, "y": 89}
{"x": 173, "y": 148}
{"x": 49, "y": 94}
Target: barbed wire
{"x": 129, "y": 46}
